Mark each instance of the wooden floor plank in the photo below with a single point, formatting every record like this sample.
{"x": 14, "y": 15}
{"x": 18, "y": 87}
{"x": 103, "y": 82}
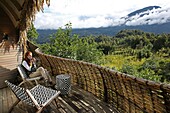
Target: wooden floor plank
{"x": 9, "y": 99}
{"x": 5, "y": 102}
{"x": 1, "y": 106}
{"x": 78, "y": 101}
{"x": 95, "y": 104}
{"x": 66, "y": 106}
{"x": 1, "y": 101}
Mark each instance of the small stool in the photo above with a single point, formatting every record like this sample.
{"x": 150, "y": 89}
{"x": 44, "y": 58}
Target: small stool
{"x": 63, "y": 83}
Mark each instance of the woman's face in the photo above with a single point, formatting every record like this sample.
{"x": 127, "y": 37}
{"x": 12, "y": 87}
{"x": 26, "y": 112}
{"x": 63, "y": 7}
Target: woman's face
{"x": 29, "y": 56}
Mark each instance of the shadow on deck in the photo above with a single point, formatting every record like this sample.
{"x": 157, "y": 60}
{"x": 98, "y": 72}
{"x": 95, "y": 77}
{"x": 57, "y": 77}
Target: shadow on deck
{"x": 79, "y": 101}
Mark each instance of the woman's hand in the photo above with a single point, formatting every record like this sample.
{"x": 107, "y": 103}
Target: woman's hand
{"x": 33, "y": 60}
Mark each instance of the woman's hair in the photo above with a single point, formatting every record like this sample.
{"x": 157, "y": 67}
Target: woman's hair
{"x": 26, "y": 57}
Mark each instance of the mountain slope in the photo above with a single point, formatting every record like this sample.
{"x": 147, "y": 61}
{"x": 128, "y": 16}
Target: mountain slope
{"x": 147, "y": 16}
{"x": 109, "y": 31}
{"x": 143, "y": 10}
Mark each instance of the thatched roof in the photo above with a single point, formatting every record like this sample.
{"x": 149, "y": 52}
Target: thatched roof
{"x": 22, "y": 13}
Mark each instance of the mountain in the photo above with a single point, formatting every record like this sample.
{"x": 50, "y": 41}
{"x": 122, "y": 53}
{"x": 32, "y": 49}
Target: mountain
{"x": 146, "y": 16}
{"x": 146, "y": 19}
{"x": 143, "y": 10}
{"x": 109, "y": 31}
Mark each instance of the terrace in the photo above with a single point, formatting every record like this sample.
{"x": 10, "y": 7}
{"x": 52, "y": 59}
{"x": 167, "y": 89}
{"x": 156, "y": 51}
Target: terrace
{"x": 94, "y": 88}
{"x": 79, "y": 101}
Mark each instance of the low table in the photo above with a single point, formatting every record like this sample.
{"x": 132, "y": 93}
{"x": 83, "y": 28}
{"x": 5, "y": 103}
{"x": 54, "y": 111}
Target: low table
{"x": 63, "y": 83}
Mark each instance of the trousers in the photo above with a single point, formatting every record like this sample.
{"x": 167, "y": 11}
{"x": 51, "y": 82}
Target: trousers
{"x": 41, "y": 71}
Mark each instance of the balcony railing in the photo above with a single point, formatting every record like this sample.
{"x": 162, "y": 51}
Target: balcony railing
{"x": 125, "y": 92}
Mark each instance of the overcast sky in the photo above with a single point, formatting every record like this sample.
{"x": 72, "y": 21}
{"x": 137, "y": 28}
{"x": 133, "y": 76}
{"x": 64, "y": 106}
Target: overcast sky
{"x": 96, "y": 13}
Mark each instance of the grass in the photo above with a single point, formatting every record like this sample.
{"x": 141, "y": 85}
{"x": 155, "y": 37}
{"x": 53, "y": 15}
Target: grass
{"x": 153, "y": 68}
{"x": 117, "y": 61}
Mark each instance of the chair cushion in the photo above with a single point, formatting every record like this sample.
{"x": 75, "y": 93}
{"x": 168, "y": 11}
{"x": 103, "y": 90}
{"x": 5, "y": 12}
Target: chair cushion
{"x": 42, "y": 94}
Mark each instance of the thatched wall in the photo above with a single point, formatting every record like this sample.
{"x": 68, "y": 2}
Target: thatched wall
{"x": 127, "y": 93}
{"x": 16, "y": 17}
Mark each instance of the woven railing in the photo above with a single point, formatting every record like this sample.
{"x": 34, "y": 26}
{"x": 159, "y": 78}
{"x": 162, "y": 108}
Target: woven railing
{"x": 127, "y": 93}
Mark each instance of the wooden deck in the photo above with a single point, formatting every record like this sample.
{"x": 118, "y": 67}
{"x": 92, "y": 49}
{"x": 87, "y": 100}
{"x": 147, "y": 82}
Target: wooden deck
{"x": 79, "y": 101}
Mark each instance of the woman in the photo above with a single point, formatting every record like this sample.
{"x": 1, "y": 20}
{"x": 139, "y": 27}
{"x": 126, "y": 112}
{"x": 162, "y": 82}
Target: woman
{"x": 32, "y": 71}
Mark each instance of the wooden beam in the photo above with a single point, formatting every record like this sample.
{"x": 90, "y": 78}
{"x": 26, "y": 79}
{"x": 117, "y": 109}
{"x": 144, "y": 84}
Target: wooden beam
{"x": 11, "y": 10}
{"x": 15, "y": 23}
{"x": 17, "y": 5}
{"x": 21, "y": 2}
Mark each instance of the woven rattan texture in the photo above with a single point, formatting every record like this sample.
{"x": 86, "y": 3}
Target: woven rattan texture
{"x": 127, "y": 93}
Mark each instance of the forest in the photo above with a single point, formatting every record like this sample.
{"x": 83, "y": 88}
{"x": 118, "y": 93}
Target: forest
{"x": 137, "y": 53}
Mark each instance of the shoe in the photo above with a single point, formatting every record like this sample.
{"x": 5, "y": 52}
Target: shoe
{"x": 51, "y": 83}
{"x": 46, "y": 83}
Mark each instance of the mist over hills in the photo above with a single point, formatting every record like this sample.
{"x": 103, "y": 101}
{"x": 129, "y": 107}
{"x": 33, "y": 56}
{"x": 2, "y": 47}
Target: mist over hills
{"x": 146, "y": 16}
{"x": 152, "y": 19}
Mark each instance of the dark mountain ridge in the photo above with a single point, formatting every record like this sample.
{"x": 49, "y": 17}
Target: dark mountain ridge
{"x": 143, "y": 10}
{"x": 109, "y": 31}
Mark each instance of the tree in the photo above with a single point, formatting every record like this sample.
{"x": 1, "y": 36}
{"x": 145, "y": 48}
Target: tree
{"x": 32, "y": 34}
{"x": 159, "y": 43}
{"x": 65, "y": 45}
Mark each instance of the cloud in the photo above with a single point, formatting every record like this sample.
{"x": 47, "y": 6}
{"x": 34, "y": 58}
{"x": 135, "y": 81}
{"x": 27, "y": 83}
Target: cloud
{"x": 97, "y": 13}
{"x": 49, "y": 21}
{"x": 156, "y": 16}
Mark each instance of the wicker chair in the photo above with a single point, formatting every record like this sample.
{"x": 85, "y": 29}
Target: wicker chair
{"x": 38, "y": 97}
{"x": 25, "y": 78}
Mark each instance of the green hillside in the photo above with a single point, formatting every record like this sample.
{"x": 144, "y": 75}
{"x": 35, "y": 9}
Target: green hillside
{"x": 138, "y": 53}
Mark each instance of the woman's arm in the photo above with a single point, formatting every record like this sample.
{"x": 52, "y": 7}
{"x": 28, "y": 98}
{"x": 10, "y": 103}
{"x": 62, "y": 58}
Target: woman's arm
{"x": 24, "y": 63}
{"x": 34, "y": 62}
